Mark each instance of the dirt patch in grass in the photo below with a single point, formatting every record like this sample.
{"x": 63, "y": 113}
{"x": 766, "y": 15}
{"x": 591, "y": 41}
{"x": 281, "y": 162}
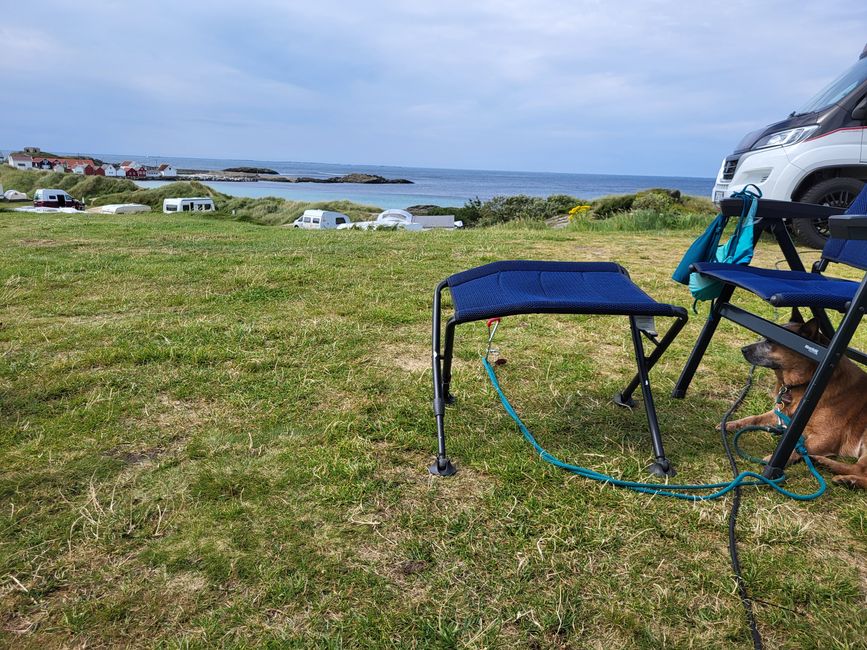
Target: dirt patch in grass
{"x": 136, "y": 457}
{"x": 413, "y": 359}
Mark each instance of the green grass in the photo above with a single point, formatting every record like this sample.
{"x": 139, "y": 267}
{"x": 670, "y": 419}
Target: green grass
{"x": 216, "y": 434}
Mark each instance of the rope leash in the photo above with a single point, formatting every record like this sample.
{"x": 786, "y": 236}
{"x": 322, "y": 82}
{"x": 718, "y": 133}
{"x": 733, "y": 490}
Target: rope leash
{"x": 681, "y": 491}
{"x": 676, "y": 491}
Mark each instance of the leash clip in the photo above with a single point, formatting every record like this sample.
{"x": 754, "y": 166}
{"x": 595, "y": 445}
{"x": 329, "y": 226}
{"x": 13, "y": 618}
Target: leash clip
{"x": 492, "y": 325}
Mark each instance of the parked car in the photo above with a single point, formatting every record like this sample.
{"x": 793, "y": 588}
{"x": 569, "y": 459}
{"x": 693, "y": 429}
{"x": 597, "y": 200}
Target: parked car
{"x": 46, "y": 198}
{"x": 818, "y": 154}
{"x": 320, "y": 220}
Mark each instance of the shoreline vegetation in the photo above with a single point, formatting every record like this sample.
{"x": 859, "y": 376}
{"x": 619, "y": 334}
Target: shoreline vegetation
{"x": 655, "y": 209}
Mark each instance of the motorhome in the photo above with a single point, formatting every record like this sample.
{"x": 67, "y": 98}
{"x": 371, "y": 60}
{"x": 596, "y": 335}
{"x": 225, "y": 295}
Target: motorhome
{"x": 47, "y": 198}
{"x": 195, "y": 204}
{"x": 320, "y": 220}
{"x": 818, "y": 154}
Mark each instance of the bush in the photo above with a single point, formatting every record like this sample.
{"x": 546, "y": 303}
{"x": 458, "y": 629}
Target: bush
{"x": 608, "y": 206}
{"x": 655, "y": 201}
{"x": 520, "y": 207}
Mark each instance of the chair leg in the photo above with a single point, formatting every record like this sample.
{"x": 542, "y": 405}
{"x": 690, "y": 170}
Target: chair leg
{"x": 701, "y": 344}
{"x": 624, "y": 397}
{"x": 442, "y": 466}
{"x": 661, "y": 466}
{"x": 836, "y": 349}
{"x": 447, "y": 362}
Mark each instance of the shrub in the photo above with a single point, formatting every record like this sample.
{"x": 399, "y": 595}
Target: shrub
{"x": 654, "y": 201}
{"x": 520, "y": 207}
{"x": 608, "y": 206}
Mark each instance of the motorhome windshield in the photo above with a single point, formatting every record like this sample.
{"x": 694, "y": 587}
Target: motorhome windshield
{"x": 838, "y": 89}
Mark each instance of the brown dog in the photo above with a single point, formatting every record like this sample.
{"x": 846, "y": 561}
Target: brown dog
{"x": 838, "y": 426}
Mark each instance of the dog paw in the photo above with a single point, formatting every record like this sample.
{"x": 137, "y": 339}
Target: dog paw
{"x": 849, "y": 480}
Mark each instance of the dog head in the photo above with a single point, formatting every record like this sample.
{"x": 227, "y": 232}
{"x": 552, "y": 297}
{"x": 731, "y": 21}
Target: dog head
{"x": 791, "y": 368}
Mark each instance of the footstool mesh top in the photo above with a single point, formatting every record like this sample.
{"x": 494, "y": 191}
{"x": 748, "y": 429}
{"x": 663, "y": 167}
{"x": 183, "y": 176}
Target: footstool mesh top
{"x": 530, "y": 287}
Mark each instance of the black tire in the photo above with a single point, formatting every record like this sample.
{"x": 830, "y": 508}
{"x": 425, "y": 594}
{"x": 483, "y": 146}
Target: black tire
{"x": 836, "y": 192}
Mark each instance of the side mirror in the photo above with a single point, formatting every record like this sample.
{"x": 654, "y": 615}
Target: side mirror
{"x": 860, "y": 110}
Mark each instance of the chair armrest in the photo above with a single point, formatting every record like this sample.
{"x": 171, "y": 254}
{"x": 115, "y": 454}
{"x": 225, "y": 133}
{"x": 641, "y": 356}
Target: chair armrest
{"x": 777, "y": 210}
{"x": 849, "y": 226}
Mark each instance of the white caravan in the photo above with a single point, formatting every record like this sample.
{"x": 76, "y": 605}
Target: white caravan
{"x": 195, "y": 204}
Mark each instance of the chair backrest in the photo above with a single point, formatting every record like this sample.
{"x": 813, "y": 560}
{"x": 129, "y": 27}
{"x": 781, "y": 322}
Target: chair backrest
{"x": 849, "y": 251}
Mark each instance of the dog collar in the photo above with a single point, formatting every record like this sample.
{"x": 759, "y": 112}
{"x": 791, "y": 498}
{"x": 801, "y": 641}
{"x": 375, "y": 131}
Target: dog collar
{"x": 788, "y": 388}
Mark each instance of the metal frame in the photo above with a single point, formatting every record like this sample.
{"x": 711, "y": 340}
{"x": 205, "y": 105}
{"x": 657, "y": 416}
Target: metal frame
{"x": 441, "y": 361}
{"x": 827, "y": 357}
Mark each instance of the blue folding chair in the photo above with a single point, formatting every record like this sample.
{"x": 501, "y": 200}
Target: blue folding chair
{"x": 524, "y": 287}
{"x": 795, "y": 288}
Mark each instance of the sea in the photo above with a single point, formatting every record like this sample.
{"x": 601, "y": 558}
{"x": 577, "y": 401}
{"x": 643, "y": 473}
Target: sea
{"x": 443, "y": 187}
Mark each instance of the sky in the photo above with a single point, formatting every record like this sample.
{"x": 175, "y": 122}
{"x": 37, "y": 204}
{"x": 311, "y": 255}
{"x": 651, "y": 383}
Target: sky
{"x": 649, "y": 87}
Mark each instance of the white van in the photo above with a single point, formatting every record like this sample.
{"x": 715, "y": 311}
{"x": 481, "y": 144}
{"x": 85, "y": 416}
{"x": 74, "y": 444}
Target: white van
{"x": 818, "y": 154}
{"x": 320, "y": 220}
{"x": 195, "y": 204}
{"x": 47, "y": 198}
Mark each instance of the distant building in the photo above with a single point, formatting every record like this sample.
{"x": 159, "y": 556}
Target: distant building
{"x": 84, "y": 168}
{"x": 44, "y": 164}
{"x": 32, "y": 150}
{"x": 167, "y": 171}
{"x": 108, "y": 170}
{"x": 119, "y": 172}
{"x": 59, "y": 167}
{"x": 20, "y": 161}
{"x": 98, "y": 170}
{"x": 134, "y": 171}
{"x": 152, "y": 172}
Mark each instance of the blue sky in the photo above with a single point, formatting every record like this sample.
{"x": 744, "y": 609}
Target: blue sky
{"x": 625, "y": 86}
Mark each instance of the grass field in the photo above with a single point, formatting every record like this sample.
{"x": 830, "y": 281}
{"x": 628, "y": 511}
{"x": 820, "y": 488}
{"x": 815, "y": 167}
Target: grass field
{"x": 214, "y": 433}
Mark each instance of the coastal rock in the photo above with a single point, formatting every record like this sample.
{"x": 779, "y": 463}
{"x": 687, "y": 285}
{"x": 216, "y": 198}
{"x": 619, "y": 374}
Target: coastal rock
{"x": 367, "y": 179}
{"x": 251, "y": 170}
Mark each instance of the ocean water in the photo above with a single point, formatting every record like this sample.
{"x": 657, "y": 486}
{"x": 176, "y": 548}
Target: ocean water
{"x": 445, "y": 187}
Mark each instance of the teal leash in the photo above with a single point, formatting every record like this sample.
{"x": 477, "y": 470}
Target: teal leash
{"x": 675, "y": 491}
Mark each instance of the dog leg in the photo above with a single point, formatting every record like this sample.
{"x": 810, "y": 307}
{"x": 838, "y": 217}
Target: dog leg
{"x": 851, "y": 480}
{"x": 817, "y": 447}
{"x": 835, "y": 466}
{"x": 768, "y": 419}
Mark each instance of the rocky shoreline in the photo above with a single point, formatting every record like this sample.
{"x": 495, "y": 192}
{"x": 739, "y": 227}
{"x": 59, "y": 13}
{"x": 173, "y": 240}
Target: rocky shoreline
{"x": 234, "y": 176}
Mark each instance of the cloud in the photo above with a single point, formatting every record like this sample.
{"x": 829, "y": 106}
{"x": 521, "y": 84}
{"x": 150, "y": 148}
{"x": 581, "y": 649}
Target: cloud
{"x": 636, "y": 86}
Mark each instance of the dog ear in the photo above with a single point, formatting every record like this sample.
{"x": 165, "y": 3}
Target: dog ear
{"x": 796, "y": 316}
{"x": 810, "y": 329}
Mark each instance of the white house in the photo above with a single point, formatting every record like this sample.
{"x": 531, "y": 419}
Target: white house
{"x": 167, "y": 171}
{"x": 151, "y": 172}
{"x": 78, "y": 169}
{"x": 19, "y": 161}
{"x": 109, "y": 170}
{"x": 58, "y": 167}
{"x": 120, "y": 172}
